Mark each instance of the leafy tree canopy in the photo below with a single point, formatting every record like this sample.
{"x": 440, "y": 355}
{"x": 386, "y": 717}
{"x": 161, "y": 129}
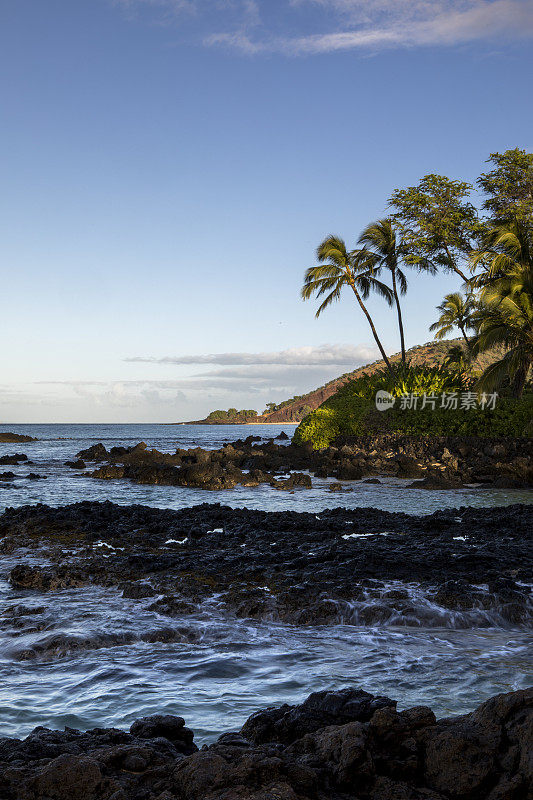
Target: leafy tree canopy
{"x": 231, "y": 414}
{"x": 509, "y": 185}
{"x": 438, "y": 223}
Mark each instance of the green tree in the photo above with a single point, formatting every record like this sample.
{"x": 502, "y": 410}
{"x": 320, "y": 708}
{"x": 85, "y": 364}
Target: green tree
{"x": 457, "y": 311}
{"x": 458, "y": 359}
{"x": 506, "y": 316}
{"x": 509, "y": 185}
{"x": 380, "y": 238}
{"x": 338, "y": 268}
{"x": 438, "y": 224}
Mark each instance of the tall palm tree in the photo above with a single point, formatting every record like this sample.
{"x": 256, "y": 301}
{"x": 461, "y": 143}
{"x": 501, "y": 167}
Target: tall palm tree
{"x": 456, "y": 312}
{"x": 508, "y": 321}
{"x": 506, "y": 253}
{"x": 380, "y": 237}
{"x": 506, "y": 317}
{"x": 339, "y": 268}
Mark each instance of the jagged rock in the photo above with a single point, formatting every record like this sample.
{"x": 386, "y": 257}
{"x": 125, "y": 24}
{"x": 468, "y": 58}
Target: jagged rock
{"x": 95, "y": 453}
{"x": 7, "y": 476}
{"x": 137, "y": 591}
{"x": 167, "y": 727}
{"x": 350, "y": 471}
{"x": 288, "y": 723}
{"x": 408, "y": 467}
{"x": 296, "y": 480}
{"x": 343, "y": 745}
{"x": 78, "y": 464}
{"x": 44, "y": 579}
{"x": 109, "y": 472}
{"x": 13, "y": 460}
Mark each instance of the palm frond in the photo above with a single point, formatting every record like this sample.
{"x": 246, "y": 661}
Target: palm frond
{"x": 331, "y": 298}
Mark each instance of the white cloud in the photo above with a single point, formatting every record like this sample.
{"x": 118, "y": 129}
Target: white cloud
{"x": 243, "y": 380}
{"x": 309, "y": 27}
{"x": 246, "y": 380}
{"x": 409, "y": 25}
{"x": 326, "y": 354}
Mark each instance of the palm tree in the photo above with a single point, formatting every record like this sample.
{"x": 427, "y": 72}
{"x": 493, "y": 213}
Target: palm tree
{"x": 506, "y": 253}
{"x": 339, "y": 268}
{"x": 506, "y": 317}
{"x": 508, "y": 321}
{"x": 458, "y": 360}
{"x": 456, "y": 312}
{"x": 380, "y": 236}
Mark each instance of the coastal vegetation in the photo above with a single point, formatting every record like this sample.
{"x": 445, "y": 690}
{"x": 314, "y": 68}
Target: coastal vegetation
{"x": 231, "y": 416}
{"x": 434, "y": 227}
{"x": 352, "y": 412}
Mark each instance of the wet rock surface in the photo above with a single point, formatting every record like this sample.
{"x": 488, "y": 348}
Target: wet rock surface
{"x": 363, "y": 565}
{"x": 343, "y": 745}
{"x": 434, "y": 463}
{"x": 13, "y": 460}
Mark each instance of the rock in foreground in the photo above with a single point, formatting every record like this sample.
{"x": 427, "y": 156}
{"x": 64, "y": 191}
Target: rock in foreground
{"x": 344, "y": 745}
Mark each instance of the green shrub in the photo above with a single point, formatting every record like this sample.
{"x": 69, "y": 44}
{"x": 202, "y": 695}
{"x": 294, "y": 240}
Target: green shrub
{"x": 407, "y": 379}
{"x": 352, "y": 412}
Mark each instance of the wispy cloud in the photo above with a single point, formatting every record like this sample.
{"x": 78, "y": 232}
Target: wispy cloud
{"x": 224, "y": 386}
{"x": 323, "y": 355}
{"x": 311, "y": 27}
{"x": 243, "y": 379}
{"x": 414, "y": 24}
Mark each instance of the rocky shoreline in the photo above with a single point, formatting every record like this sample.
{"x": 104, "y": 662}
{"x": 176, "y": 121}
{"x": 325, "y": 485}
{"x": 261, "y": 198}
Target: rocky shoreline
{"x": 461, "y": 568}
{"x": 431, "y": 463}
{"x": 420, "y": 462}
{"x": 342, "y": 745}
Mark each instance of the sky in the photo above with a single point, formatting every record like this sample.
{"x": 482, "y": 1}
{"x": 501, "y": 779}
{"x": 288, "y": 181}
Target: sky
{"x": 168, "y": 168}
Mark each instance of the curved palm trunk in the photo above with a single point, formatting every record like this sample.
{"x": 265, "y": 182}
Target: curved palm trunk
{"x": 465, "y": 337}
{"x": 399, "y": 310}
{"x": 519, "y": 380}
{"x": 374, "y": 332}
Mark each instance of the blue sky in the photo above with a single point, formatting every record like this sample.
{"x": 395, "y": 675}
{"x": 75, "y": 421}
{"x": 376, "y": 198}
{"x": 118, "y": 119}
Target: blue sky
{"x": 168, "y": 169}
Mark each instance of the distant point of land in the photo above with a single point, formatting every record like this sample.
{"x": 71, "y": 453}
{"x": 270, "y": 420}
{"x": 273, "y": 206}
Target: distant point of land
{"x": 15, "y": 438}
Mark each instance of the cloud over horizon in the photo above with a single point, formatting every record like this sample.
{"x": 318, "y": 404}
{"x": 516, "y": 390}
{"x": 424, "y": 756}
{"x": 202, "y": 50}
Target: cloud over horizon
{"x": 323, "y": 355}
{"x": 314, "y": 27}
{"x": 246, "y": 380}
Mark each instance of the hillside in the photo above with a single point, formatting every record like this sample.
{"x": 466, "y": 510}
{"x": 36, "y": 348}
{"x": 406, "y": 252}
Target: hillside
{"x": 429, "y": 354}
